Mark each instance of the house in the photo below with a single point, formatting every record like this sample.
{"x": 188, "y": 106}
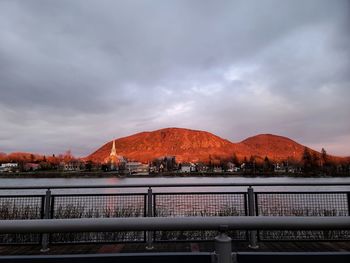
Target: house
{"x": 187, "y": 168}
{"x": 280, "y": 168}
{"x": 202, "y": 168}
{"x": 72, "y": 165}
{"x": 163, "y": 164}
{"x": 136, "y": 168}
{"x": 152, "y": 168}
{"x": 293, "y": 169}
{"x": 231, "y": 167}
{"x": 9, "y": 167}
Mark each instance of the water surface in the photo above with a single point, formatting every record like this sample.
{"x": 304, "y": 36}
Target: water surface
{"x": 25, "y": 182}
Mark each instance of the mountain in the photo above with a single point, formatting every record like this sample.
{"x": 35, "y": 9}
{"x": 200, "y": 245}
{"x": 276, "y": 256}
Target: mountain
{"x": 275, "y": 147}
{"x": 20, "y": 156}
{"x": 199, "y": 146}
{"x": 187, "y": 145}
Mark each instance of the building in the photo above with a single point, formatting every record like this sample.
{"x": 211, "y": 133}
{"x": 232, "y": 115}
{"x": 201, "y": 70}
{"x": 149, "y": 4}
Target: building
{"x": 187, "y": 168}
{"x": 136, "y": 168}
{"x": 72, "y": 165}
{"x": 115, "y": 161}
{"x": 202, "y": 168}
{"x": 9, "y": 167}
{"x": 279, "y": 168}
{"x": 113, "y": 157}
{"x": 231, "y": 167}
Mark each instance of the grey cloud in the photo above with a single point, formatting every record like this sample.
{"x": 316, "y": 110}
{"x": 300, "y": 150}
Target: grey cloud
{"x": 78, "y": 71}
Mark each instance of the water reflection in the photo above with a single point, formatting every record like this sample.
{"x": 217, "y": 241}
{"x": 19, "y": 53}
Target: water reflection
{"x": 169, "y": 180}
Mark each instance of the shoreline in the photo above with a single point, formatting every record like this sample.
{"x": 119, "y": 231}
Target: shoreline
{"x": 170, "y": 175}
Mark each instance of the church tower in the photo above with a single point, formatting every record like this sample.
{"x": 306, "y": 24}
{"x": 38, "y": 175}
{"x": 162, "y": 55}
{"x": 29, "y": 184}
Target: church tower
{"x": 113, "y": 151}
{"x": 113, "y": 156}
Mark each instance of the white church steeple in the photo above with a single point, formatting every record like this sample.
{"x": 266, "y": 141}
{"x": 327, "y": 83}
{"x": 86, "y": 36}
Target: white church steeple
{"x": 113, "y": 151}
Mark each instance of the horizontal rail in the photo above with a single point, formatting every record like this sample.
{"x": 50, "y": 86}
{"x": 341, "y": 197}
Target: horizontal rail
{"x": 173, "y": 223}
{"x": 154, "y": 257}
{"x": 174, "y": 185}
{"x": 182, "y": 257}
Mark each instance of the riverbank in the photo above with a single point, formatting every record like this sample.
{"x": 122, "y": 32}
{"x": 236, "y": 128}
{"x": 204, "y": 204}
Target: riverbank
{"x": 85, "y": 174}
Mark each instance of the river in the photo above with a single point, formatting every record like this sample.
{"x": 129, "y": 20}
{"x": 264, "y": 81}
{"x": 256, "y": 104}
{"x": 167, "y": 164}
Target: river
{"x": 25, "y": 182}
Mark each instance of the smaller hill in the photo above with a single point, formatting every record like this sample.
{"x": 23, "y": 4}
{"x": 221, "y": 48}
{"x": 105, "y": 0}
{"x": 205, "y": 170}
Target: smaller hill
{"x": 281, "y": 148}
{"x": 274, "y": 147}
{"x": 20, "y": 156}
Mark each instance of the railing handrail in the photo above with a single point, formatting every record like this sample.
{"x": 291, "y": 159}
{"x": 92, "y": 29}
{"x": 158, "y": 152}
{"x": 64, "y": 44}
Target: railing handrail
{"x": 172, "y": 185}
{"x": 174, "y": 223}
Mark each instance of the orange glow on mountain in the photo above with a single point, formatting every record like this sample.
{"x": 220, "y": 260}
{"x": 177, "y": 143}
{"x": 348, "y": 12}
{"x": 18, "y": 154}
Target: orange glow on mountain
{"x": 199, "y": 146}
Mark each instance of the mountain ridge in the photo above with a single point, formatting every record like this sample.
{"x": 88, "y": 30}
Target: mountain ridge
{"x": 190, "y": 145}
{"x": 201, "y": 146}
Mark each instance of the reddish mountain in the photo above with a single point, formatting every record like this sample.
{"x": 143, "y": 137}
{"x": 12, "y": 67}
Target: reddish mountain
{"x": 33, "y": 157}
{"x": 20, "y": 156}
{"x": 187, "y": 145}
{"x": 280, "y": 148}
{"x": 200, "y": 146}
{"x": 274, "y": 147}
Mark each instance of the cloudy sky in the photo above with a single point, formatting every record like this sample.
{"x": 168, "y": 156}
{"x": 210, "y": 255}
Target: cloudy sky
{"x": 75, "y": 74}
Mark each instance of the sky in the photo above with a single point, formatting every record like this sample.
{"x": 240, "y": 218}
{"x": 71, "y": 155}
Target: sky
{"x": 76, "y": 74}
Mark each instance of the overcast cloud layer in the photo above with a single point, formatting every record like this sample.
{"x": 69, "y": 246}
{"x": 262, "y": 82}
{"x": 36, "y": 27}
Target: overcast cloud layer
{"x": 75, "y": 74}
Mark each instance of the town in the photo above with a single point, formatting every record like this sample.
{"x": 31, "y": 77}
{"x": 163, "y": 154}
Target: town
{"x": 120, "y": 165}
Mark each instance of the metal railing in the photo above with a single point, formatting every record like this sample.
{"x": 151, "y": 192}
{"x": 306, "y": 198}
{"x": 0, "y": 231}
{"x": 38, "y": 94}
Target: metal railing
{"x": 223, "y": 243}
{"x": 146, "y": 202}
{"x": 219, "y": 223}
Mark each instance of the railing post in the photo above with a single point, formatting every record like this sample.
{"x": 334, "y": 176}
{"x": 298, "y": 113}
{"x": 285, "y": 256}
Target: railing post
{"x": 149, "y": 234}
{"x": 223, "y": 247}
{"x": 45, "y": 237}
{"x": 251, "y": 212}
